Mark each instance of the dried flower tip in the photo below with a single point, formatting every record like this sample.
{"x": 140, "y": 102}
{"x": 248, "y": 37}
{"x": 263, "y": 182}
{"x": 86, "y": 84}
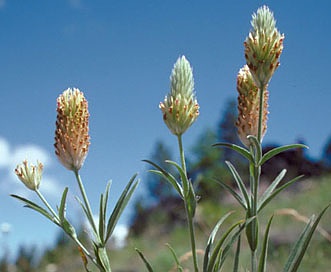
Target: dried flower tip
{"x": 72, "y": 138}
{"x": 30, "y": 175}
{"x": 263, "y": 46}
{"x": 249, "y": 107}
{"x": 180, "y": 107}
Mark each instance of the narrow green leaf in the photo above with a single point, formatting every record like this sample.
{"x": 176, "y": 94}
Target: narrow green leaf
{"x": 89, "y": 218}
{"x": 103, "y": 258}
{"x": 261, "y": 204}
{"x": 167, "y": 176}
{"x": 147, "y": 264}
{"x": 300, "y": 247}
{"x": 228, "y": 245}
{"x": 215, "y": 255}
{"x": 179, "y": 267}
{"x": 239, "y": 198}
{"x": 272, "y": 186}
{"x": 36, "y": 207}
{"x": 68, "y": 228}
{"x": 264, "y": 251}
{"x": 191, "y": 200}
{"x": 63, "y": 204}
{"x": 240, "y": 183}
{"x": 102, "y": 219}
{"x": 211, "y": 240}
{"x": 105, "y": 198}
{"x": 275, "y": 151}
{"x": 237, "y": 254}
{"x": 120, "y": 205}
{"x": 242, "y": 151}
{"x": 183, "y": 176}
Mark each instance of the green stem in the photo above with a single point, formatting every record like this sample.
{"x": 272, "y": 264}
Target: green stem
{"x": 101, "y": 252}
{"x": 58, "y": 222}
{"x": 181, "y": 152}
{"x": 189, "y": 216}
{"x": 255, "y": 173}
{"x": 87, "y": 205}
{"x": 56, "y": 217}
{"x": 253, "y": 261}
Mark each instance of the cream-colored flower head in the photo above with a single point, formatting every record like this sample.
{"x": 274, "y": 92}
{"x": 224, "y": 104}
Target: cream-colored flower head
{"x": 72, "y": 138}
{"x": 248, "y": 107}
{"x": 180, "y": 107}
{"x": 263, "y": 46}
{"x": 30, "y": 175}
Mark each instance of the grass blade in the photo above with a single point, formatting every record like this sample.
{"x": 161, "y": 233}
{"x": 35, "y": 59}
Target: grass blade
{"x": 147, "y": 264}
{"x": 300, "y": 247}
{"x": 179, "y": 267}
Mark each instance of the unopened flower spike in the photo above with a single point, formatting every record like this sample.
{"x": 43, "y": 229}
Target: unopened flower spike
{"x": 248, "y": 106}
{"x": 30, "y": 175}
{"x": 72, "y": 138}
{"x": 263, "y": 46}
{"x": 180, "y": 107}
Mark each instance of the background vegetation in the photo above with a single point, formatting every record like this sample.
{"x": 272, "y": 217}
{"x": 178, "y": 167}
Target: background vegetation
{"x": 159, "y": 216}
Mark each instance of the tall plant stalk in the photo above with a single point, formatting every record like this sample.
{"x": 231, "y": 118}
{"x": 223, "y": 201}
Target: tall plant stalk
{"x": 189, "y": 215}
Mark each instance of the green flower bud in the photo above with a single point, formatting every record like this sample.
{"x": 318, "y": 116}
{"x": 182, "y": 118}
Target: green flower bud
{"x": 263, "y": 46}
{"x": 180, "y": 107}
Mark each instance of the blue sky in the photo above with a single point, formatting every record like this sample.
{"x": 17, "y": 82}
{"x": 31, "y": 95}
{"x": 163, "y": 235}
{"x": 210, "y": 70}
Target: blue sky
{"x": 120, "y": 54}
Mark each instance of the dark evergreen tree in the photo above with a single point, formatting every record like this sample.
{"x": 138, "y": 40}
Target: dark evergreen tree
{"x": 157, "y": 203}
{"x": 227, "y": 130}
{"x": 207, "y": 166}
{"x": 326, "y": 156}
{"x": 25, "y": 259}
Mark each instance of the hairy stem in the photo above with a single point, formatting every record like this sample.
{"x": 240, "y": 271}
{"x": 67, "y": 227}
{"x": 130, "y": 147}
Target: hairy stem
{"x": 189, "y": 216}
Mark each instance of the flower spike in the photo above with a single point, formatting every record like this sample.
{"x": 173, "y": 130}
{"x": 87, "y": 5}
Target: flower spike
{"x": 72, "y": 138}
{"x": 263, "y": 46}
{"x": 180, "y": 107}
{"x": 248, "y": 106}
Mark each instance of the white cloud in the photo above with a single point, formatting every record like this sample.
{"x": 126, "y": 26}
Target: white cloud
{"x": 50, "y": 187}
{"x": 4, "y": 153}
{"x": 10, "y": 157}
{"x": 120, "y": 234}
